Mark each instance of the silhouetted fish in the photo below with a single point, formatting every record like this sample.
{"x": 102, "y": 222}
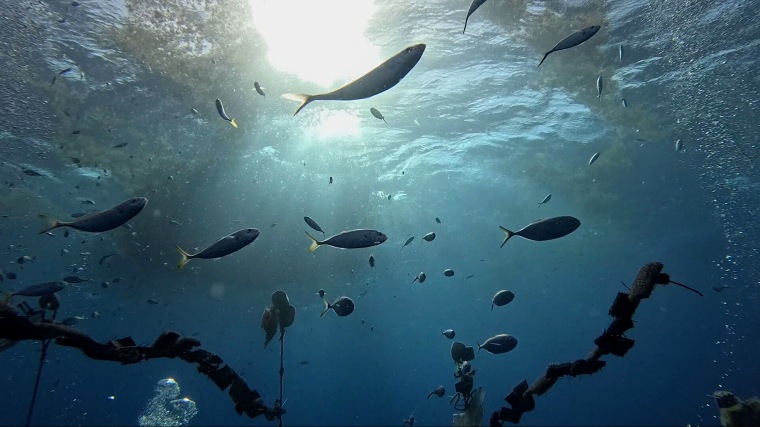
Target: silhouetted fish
{"x": 352, "y": 239}
{"x": 439, "y": 391}
{"x": 224, "y": 246}
{"x": 473, "y": 7}
{"x": 100, "y": 221}
{"x": 573, "y": 40}
{"x": 223, "y": 114}
{"x": 499, "y": 344}
{"x": 449, "y": 333}
{"x": 342, "y": 306}
{"x": 429, "y": 237}
{"x": 40, "y": 289}
{"x": 377, "y": 114}
{"x": 502, "y": 298}
{"x": 313, "y": 224}
{"x": 545, "y": 229}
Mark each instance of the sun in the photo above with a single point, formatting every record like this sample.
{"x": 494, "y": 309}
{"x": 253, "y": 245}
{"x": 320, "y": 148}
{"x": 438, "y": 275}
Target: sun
{"x": 320, "y": 41}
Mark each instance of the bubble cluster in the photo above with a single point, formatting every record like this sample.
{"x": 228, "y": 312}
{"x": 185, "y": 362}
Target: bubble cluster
{"x": 165, "y": 409}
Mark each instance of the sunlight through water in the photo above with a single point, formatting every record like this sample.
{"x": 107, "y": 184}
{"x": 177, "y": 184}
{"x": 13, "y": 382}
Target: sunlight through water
{"x": 315, "y": 41}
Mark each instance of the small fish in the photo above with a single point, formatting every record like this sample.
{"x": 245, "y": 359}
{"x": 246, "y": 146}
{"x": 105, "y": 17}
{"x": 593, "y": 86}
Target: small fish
{"x": 321, "y": 293}
{"x": 420, "y": 277}
{"x": 390, "y": 196}
{"x": 545, "y": 229}
{"x": 502, "y": 298}
{"x": 546, "y": 199}
{"x": 76, "y": 132}
{"x": 499, "y": 344}
{"x": 679, "y": 145}
{"x": 593, "y": 158}
{"x": 620, "y": 52}
{"x": 224, "y": 246}
{"x": 429, "y": 237}
{"x": 573, "y": 40}
{"x": 100, "y": 221}
{"x": 625, "y": 103}
{"x": 88, "y": 202}
{"x": 174, "y": 223}
{"x": 721, "y": 288}
{"x": 24, "y": 259}
{"x": 380, "y": 79}
{"x": 342, "y": 306}
{"x": 40, "y": 289}
{"x": 599, "y": 85}
{"x": 351, "y": 239}
{"x": 409, "y": 421}
{"x": 473, "y": 7}
{"x": 448, "y": 272}
{"x": 303, "y": 363}
{"x": 71, "y": 321}
{"x": 469, "y": 276}
{"x": 31, "y": 172}
{"x": 449, "y": 333}
{"x": 194, "y": 111}
{"x": 105, "y": 285}
{"x": 259, "y": 89}
{"x": 220, "y": 109}
{"x": 439, "y": 391}
{"x": 313, "y": 224}
{"x": 377, "y": 114}
{"x": 408, "y": 241}
{"x": 371, "y": 260}
{"x": 438, "y": 220}
{"x": 151, "y": 301}
{"x": 75, "y": 279}
{"x": 122, "y": 145}
{"x": 330, "y": 181}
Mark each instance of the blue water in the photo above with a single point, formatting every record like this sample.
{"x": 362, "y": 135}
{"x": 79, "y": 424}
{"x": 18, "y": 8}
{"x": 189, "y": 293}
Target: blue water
{"x": 477, "y": 135}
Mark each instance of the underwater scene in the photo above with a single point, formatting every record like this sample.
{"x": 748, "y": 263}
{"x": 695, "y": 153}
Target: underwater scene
{"x": 379, "y": 212}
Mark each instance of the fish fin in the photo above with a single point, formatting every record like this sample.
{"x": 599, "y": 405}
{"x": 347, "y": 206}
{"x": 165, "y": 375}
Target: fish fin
{"x": 509, "y": 235}
{"x": 49, "y": 223}
{"x": 465, "y": 24}
{"x": 542, "y": 59}
{"x": 186, "y": 257}
{"x": 233, "y": 123}
{"x": 327, "y": 307}
{"x": 479, "y": 346}
{"x": 299, "y": 97}
{"x": 491, "y": 306}
{"x": 314, "y": 242}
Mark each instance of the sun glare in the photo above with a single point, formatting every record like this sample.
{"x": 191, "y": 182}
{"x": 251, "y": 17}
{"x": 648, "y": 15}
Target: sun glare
{"x": 338, "y": 124}
{"x": 321, "y": 41}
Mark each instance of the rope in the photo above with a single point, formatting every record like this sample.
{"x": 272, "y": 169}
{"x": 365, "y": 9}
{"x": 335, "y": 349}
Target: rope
{"x": 43, "y": 356}
{"x": 282, "y": 370}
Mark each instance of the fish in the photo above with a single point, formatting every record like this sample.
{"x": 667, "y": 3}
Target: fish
{"x": 721, "y": 288}
{"x": 380, "y": 79}
{"x": 220, "y": 109}
{"x": 100, "y": 221}
{"x": 31, "y": 172}
{"x": 313, "y": 224}
{"x": 222, "y": 247}
{"x": 303, "y": 363}
{"x": 122, "y": 145}
{"x": 371, "y": 261}
{"x": 259, "y": 89}
{"x": 499, "y": 344}
{"x": 599, "y": 85}
{"x": 377, "y": 114}
{"x": 438, "y": 220}
{"x": 473, "y": 7}
{"x": 449, "y": 333}
{"x": 40, "y": 289}
{"x": 546, "y": 199}
{"x": 429, "y": 237}
{"x": 593, "y": 158}
{"x": 105, "y": 258}
{"x": 390, "y": 196}
{"x": 420, "y": 277}
{"x": 71, "y": 321}
{"x": 448, "y": 272}
{"x": 470, "y": 276}
{"x": 88, "y": 202}
{"x": 194, "y": 111}
{"x": 342, "y": 306}
{"x": 321, "y": 293}
{"x": 620, "y": 52}
{"x": 625, "y": 103}
{"x": 409, "y": 421}
{"x": 351, "y": 239}
{"x": 75, "y": 279}
{"x": 330, "y": 181}
{"x": 544, "y": 229}
{"x": 24, "y": 259}
{"x": 502, "y": 298}
{"x": 408, "y": 241}
{"x": 439, "y": 391}
{"x": 573, "y": 40}
{"x": 679, "y": 145}
{"x": 151, "y": 301}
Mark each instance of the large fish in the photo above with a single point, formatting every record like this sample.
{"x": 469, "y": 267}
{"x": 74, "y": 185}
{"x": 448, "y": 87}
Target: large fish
{"x": 342, "y": 306}
{"x": 224, "y": 246}
{"x": 380, "y": 79}
{"x": 40, "y": 289}
{"x": 499, "y": 344}
{"x": 352, "y": 239}
{"x": 502, "y": 297}
{"x": 223, "y": 114}
{"x": 573, "y": 40}
{"x": 100, "y": 221}
{"x": 545, "y": 229}
{"x": 473, "y": 7}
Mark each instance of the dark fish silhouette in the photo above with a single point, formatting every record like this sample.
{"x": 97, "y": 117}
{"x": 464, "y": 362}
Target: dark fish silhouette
{"x": 313, "y": 224}
{"x": 377, "y": 114}
{"x": 380, "y": 79}
{"x": 40, "y": 289}
{"x": 429, "y": 237}
{"x": 473, "y": 7}
{"x": 224, "y": 246}
{"x": 448, "y": 272}
{"x": 220, "y": 109}
{"x": 438, "y": 220}
{"x": 449, "y": 333}
{"x": 258, "y": 88}
{"x": 371, "y": 260}
{"x": 75, "y": 279}
{"x": 573, "y": 40}
{"x": 502, "y": 298}
{"x": 439, "y": 391}
{"x": 545, "y": 229}
{"x": 408, "y": 241}
{"x": 352, "y": 239}
{"x": 420, "y": 277}
{"x": 342, "y": 306}
{"x": 100, "y": 221}
{"x": 499, "y": 344}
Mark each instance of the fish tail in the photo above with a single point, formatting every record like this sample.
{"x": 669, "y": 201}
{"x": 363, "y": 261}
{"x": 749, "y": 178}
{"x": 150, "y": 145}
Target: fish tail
{"x": 509, "y": 235}
{"x": 299, "y": 97}
{"x": 491, "y": 306}
{"x": 314, "y": 242}
{"x": 49, "y": 223}
{"x": 233, "y": 123}
{"x": 186, "y": 257}
{"x": 327, "y": 307}
{"x": 542, "y": 59}
{"x": 465, "y": 24}
{"x": 479, "y": 346}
